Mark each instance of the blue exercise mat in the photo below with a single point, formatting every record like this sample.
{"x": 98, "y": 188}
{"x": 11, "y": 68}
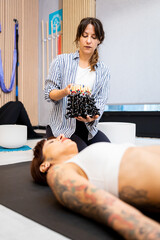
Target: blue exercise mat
{"x": 23, "y": 148}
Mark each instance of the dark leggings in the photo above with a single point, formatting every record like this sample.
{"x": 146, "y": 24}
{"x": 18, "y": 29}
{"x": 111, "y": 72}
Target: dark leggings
{"x": 15, "y": 113}
{"x": 81, "y": 136}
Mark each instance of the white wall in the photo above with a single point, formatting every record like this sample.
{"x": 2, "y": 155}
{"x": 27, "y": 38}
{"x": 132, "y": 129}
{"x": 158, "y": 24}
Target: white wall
{"x": 131, "y": 49}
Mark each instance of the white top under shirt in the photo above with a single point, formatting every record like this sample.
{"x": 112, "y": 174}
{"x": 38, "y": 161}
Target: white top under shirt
{"x": 85, "y": 77}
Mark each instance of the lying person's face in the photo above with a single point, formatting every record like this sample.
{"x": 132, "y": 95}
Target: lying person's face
{"x": 58, "y": 149}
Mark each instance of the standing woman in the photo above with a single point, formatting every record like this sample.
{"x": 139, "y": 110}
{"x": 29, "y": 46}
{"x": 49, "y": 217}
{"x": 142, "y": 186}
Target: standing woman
{"x": 82, "y": 67}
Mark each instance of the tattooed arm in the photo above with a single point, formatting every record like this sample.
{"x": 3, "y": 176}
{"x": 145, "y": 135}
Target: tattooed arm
{"x": 139, "y": 198}
{"x": 76, "y": 193}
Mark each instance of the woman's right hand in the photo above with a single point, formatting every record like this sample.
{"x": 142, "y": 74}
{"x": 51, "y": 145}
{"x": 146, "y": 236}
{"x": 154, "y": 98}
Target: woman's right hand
{"x": 67, "y": 89}
{"x": 58, "y": 94}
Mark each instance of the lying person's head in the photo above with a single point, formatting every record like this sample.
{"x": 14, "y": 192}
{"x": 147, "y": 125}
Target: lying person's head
{"x": 48, "y": 153}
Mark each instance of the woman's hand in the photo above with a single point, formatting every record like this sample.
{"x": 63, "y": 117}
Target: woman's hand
{"x": 58, "y": 94}
{"x": 87, "y": 119}
{"x": 67, "y": 89}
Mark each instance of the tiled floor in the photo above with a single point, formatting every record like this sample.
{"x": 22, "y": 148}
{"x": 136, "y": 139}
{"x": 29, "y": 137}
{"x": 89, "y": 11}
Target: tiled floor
{"x": 16, "y": 227}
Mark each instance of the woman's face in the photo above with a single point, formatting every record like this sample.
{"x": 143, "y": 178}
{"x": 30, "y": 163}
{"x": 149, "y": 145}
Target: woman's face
{"x": 88, "y": 41}
{"x": 58, "y": 149}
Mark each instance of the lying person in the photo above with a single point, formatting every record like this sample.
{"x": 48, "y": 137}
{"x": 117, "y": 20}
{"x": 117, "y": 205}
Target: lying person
{"x": 14, "y": 112}
{"x": 92, "y": 181}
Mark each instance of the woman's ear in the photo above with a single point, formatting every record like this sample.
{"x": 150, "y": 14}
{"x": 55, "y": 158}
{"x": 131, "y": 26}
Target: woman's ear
{"x": 44, "y": 166}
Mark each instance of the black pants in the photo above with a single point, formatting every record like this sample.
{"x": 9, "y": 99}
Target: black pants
{"x": 81, "y": 136}
{"x": 15, "y": 113}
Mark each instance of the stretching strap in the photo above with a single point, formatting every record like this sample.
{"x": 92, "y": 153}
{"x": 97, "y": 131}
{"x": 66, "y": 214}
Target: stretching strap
{"x": 2, "y": 85}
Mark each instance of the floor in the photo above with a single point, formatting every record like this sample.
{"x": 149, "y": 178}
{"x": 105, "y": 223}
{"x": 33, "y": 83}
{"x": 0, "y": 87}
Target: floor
{"x": 15, "y": 226}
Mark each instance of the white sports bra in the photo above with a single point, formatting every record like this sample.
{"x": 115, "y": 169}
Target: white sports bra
{"x": 101, "y": 162}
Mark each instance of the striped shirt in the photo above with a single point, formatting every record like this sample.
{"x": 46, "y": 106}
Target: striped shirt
{"x": 62, "y": 72}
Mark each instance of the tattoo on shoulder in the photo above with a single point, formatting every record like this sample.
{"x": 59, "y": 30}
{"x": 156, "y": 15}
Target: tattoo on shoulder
{"x": 49, "y": 159}
{"x": 56, "y": 167}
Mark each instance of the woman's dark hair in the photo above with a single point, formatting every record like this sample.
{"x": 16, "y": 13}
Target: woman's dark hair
{"x": 38, "y": 159}
{"x": 38, "y": 176}
{"x": 99, "y": 34}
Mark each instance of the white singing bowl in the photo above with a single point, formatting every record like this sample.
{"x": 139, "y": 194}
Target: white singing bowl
{"x": 118, "y": 132}
{"x": 13, "y": 136}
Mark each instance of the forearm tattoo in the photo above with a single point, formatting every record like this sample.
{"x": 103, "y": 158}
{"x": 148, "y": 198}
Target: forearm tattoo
{"x": 138, "y": 198}
{"x": 126, "y": 220}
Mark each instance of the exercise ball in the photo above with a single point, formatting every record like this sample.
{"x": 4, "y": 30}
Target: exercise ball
{"x": 13, "y": 136}
{"x": 118, "y": 132}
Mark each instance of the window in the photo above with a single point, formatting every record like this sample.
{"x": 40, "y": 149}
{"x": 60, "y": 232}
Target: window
{"x": 133, "y": 107}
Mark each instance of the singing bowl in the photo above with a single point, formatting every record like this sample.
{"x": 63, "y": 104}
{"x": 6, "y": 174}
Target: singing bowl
{"x": 13, "y": 136}
{"x": 118, "y": 132}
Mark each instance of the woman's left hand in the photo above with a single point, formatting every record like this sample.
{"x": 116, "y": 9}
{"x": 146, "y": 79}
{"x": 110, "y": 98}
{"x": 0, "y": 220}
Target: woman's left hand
{"x": 87, "y": 119}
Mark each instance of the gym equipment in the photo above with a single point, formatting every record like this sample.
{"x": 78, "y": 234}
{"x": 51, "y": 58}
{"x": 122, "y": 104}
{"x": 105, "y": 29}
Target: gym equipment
{"x": 48, "y": 51}
{"x": 118, "y": 132}
{"x": 15, "y": 65}
{"x": 80, "y": 103}
{"x": 19, "y": 193}
{"x": 23, "y": 148}
{"x": 13, "y": 135}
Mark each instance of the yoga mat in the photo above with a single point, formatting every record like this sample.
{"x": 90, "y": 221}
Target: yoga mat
{"x": 23, "y": 148}
{"x": 19, "y": 193}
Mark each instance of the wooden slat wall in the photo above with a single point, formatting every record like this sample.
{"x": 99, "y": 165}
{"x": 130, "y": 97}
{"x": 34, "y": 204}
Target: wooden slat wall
{"x": 2, "y": 39}
{"x": 7, "y": 15}
{"x": 30, "y": 58}
{"x": 26, "y": 12}
{"x": 73, "y": 12}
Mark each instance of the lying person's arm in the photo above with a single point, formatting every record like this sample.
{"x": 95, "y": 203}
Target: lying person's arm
{"x": 76, "y": 193}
